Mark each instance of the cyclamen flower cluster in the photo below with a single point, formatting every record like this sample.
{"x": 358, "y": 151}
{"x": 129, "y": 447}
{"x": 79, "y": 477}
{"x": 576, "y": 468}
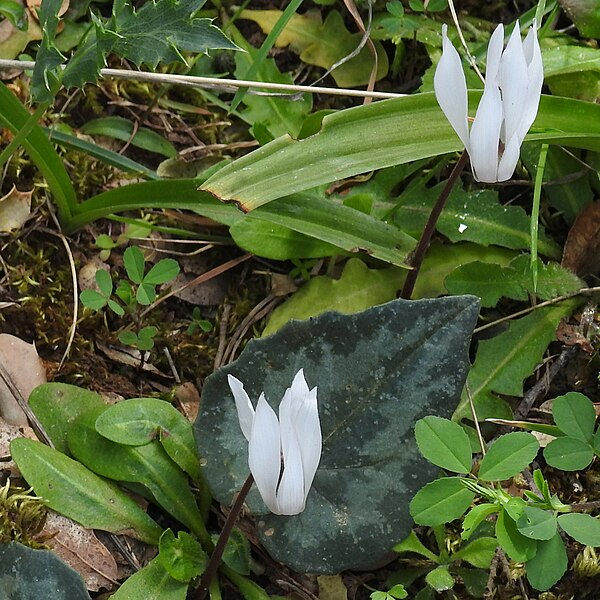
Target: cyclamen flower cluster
{"x": 508, "y": 107}
{"x": 284, "y": 452}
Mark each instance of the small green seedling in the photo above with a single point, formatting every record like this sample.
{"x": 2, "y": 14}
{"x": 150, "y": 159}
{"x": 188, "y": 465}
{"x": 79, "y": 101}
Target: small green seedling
{"x": 396, "y": 593}
{"x": 97, "y": 300}
{"x": 198, "y": 323}
{"x": 528, "y": 528}
{"x": 142, "y": 340}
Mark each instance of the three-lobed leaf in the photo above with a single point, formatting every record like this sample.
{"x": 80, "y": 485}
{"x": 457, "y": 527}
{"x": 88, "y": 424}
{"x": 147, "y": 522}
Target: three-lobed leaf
{"x": 508, "y": 456}
{"x": 444, "y": 443}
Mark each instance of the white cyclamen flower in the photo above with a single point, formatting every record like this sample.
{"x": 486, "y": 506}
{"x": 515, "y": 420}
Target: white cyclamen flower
{"x": 284, "y": 453}
{"x": 511, "y": 95}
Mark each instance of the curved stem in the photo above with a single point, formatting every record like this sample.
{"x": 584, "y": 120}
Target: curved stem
{"x": 215, "y": 559}
{"x": 421, "y": 249}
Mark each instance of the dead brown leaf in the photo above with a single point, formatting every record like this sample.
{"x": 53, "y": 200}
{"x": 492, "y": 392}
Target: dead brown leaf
{"x": 581, "y": 254}
{"x": 15, "y": 209}
{"x": 82, "y": 550}
{"x": 26, "y": 370}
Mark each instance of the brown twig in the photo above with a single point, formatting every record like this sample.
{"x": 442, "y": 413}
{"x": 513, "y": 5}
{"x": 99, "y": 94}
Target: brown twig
{"x": 419, "y": 254}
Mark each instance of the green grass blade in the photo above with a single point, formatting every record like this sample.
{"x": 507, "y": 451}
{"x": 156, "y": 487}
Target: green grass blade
{"x": 535, "y": 214}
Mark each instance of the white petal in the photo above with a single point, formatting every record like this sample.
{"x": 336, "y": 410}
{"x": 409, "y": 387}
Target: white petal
{"x": 308, "y": 433}
{"x": 451, "y": 88}
{"x": 535, "y": 76}
{"x": 244, "y": 406}
{"x": 513, "y": 78}
{"x": 509, "y": 159}
{"x": 494, "y": 54}
{"x": 291, "y": 498}
{"x": 299, "y": 388}
{"x": 264, "y": 453}
{"x": 485, "y": 136}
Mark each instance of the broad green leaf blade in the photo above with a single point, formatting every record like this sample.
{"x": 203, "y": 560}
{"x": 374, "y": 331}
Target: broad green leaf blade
{"x": 27, "y": 574}
{"x": 444, "y": 443}
{"x": 359, "y": 287}
{"x": 441, "y": 501}
{"x": 237, "y": 552}
{"x": 370, "y": 467}
{"x": 74, "y": 491}
{"x": 148, "y": 465}
{"x": 584, "y": 528}
{"x": 508, "y": 455}
{"x": 512, "y": 541}
{"x": 505, "y": 361}
{"x": 574, "y": 414}
{"x": 413, "y": 544}
{"x": 390, "y": 132}
{"x": 568, "y": 454}
{"x": 347, "y": 228}
{"x": 93, "y": 299}
{"x": 145, "y": 294}
{"x": 548, "y": 565}
{"x": 138, "y": 421}
{"x": 475, "y": 216}
{"x": 133, "y": 258}
{"x": 536, "y": 523}
{"x": 58, "y": 405}
{"x": 478, "y": 553}
{"x": 104, "y": 282}
{"x": 123, "y": 129}
{"x": 152, "y": 582}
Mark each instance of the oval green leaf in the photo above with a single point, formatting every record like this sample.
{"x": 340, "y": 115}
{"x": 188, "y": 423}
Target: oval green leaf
{"x": 575, "y": 415}
{"x": 444, "y": 443}
{"x": 509, "y": 455}
{"x": 74, "y": 491}
{"x": 548, "y": 565}
{"x": 440, "y": 579}
{"x": 512, "y": 541}
{"x": 584, "y": 528}
{"x": 568, "y": 454}
{"x": 536, "y": 523}
{"x": 441, "y": 501}
{"x": 478, "y": 553}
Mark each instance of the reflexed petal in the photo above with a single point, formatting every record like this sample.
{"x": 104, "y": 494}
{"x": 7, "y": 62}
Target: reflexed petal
{"x": 535, "y": 74}
{"x": 264, "y": 452}
{"x": 308, "y": 433}
{"x": 291, "y": 498}
{"x": 513, "y": 78}
{"x": 451, "y": 89}
{"x": 485, "y": 135}
{"x": 509, "y": 159}
{"x": 244, "y": 406}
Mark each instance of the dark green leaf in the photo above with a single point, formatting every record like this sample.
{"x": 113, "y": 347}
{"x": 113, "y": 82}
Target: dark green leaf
{"x": 440, "y": 579}
{"x": 475, "y": 517}
{"x": 182, "y": 557}
{"x": 57, "y": 405}
{"x": 138, "y": 421}
{"x": 413, "y": 544}
{"x": 478, "y": 553}
{"x": 575, "y": 415}
{"x": 512, "y": 541}
{"x": 441, "y": 501}
{"x": 74, "y": 491}
{"x": 366, "y": 420}
{"x": 237, "y": 553}
{"x": 584, "y": 528}
{"x": 162, "y": 272}
{"x": 585, "y": 15}
{"x": 14, "y": 12}
{"x": 568, "y": 454}
{"x": 536, "y": 523}
{"x": 28, "y": 574}
{"x": 548, "y": 565}
{"x": 444, "y": 443}
{"x": 153, "y": 582}
{"x": 508, "y": 455}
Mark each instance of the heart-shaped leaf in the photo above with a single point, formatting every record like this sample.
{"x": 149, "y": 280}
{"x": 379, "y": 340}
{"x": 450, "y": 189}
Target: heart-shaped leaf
{"x": 377, "y": 372}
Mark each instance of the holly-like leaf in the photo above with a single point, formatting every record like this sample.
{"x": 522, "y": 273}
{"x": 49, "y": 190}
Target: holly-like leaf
{"x": 377, "y": 372}
{"x": 155, "y": 33}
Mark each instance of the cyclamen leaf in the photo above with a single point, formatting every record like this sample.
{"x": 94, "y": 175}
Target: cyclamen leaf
{"x": 509, "y": 455}
{"x": 584, "y": 528}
